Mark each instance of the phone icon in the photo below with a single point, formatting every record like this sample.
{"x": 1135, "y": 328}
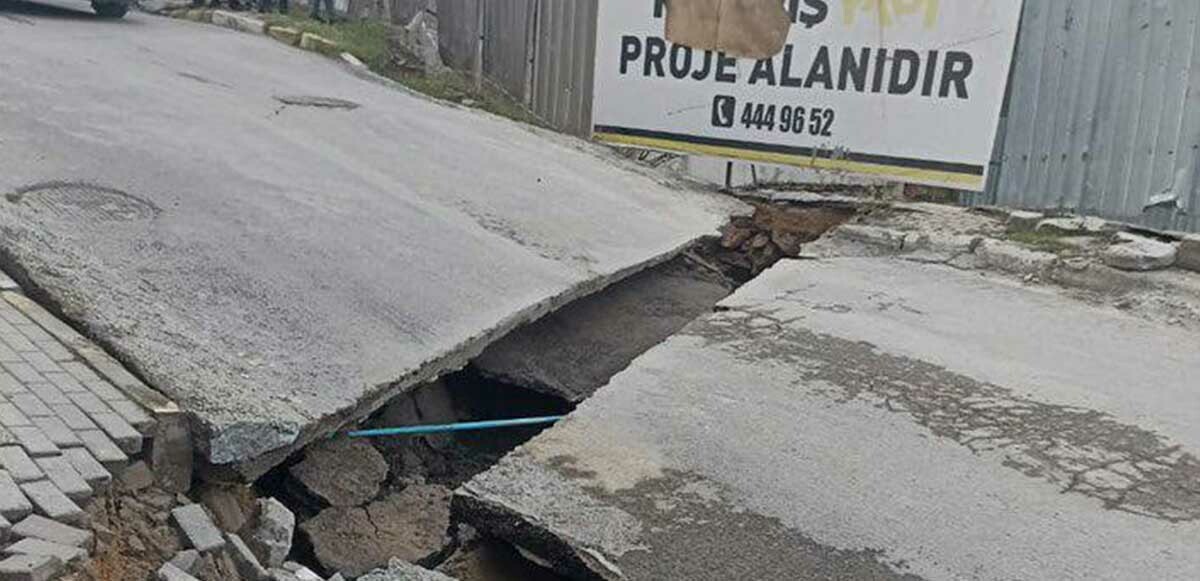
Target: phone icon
{"x": 722, "y": 110}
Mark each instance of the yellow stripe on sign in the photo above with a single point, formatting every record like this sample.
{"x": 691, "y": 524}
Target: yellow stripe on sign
{"x": 966, "y": 181}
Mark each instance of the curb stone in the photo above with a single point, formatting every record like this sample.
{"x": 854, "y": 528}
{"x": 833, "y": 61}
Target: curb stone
{"x": 316, "y": 43}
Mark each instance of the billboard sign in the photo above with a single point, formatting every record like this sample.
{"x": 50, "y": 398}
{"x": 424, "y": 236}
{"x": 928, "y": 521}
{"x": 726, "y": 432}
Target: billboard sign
{"x": 903, "y": 89}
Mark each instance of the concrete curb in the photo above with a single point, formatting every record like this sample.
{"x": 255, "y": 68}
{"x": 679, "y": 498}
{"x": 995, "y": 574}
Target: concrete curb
{"x": 285, "y": 34}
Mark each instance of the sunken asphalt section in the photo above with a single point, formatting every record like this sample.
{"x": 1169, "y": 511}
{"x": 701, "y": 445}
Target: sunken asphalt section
{"x": 871, "y": 418}
{"x": 278, "y": 269}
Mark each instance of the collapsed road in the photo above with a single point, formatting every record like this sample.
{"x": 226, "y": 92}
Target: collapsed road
{"x": 873, "y": 418}
{"x": 279, "y": 269}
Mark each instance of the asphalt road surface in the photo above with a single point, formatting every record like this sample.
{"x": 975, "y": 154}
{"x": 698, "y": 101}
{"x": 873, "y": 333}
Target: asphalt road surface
{"x": 874, "y": 419}
{"x": 277, "y": 267}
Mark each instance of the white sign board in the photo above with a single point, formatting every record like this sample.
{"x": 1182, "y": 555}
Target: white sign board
{"x": 904, "y": 89}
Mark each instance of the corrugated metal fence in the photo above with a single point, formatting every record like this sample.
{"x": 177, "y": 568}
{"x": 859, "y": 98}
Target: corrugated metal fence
{"x": 540, "y": 51}
{"x": 1103, "y": 112}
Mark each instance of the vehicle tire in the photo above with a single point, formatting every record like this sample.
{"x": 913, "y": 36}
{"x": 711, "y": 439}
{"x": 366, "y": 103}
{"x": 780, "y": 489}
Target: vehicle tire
{"x": 110, "y": 9}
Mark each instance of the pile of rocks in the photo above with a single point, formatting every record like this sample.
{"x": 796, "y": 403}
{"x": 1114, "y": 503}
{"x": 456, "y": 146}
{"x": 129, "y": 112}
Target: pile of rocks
{"x": 778, "y": 230}
{"x": 256, "y": 549}
{"x": 362, "y": 524}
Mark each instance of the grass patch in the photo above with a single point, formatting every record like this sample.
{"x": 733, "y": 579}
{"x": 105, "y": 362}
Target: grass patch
{"x": 367, "y": 39}
{"x": 1044, "y": 241}
{"x": 364, "y": 38}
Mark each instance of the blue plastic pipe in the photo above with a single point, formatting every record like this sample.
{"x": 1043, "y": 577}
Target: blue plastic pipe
{"x": 458, "y": 427}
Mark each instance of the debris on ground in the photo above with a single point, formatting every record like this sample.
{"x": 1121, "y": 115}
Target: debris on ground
{"x": 1138, "y": 253}
{"x": 410, "y": 525}
{"x": 341, "y": 471}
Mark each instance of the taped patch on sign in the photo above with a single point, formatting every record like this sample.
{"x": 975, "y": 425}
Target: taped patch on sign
{"x": 754, "y": 29}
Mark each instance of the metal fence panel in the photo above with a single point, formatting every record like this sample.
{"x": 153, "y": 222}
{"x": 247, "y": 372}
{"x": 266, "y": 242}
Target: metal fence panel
{"x": 1103, "y": 112}
{"x": 540, "y": 51}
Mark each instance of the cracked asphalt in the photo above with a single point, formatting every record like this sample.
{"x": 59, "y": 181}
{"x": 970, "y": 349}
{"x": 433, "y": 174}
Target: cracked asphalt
{"x": 279, "y": 269}
{"x": 873, "y": 418}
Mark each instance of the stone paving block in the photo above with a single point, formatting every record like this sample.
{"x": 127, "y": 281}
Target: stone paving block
{"x": 73, "y": 417}
{"x": 103, "y": 449}
{"x": 7, "y": 355}
{"x": 88, "y": 402}
{"x": 198, "y": 528}
{"x": 247, "y": 564}
{"x": 39, "y": 527}
{"x": 64, "y": 476}
{"x": 187, "y": 560}
{"x": 40, "y": 361}
{"x": 80, "y": 371}
{"x": 50, "y": 502}
{"x": 5, "y": 529}
{"x": 55, "y": 350}
{"x": 92, "y": 471}
{"x": 65, "y": 382}
{"x": 11, "y": 416}
{"x": 32, "y": 546}
{"x": 104, "y": 390}
{"x": 7, "y": 438}
{"x": 30, "y": 568}
{"x": 24, "y": 372}
{"x": 34, "y": 441}
{"x": 13, "y": 504}
{"x": 10, "y": 386}
{"x": 126, "y": 437}
{"x": 169, "y": 572}
{"x": 17, "y": 342}
{"x": 30, "y": 330}
{"x": 133, "y": 413}
{"x": 18, "y": 465}
{"x": 30, "y": 405}
{"x": 57, "y": 431}
{"x": 48, "y": 393}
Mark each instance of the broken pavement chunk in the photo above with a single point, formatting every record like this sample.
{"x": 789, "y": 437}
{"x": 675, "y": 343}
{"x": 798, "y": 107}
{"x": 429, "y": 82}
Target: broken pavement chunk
{"x": 271, "y": 536}
{"x": 410, "y": 525}
{"x": 754, "y": 29}
{"x": 342, "y": 471}
{"x": 1138, "y": 253}
{"x": 197, "y": 528}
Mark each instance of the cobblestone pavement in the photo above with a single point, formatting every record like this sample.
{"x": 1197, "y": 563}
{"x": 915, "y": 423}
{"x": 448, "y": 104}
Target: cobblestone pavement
{"x": 64, "y": 432}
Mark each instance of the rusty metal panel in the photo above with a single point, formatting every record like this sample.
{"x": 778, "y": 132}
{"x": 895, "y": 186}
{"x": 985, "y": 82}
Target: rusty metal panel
{"x": 1103, "y": 113}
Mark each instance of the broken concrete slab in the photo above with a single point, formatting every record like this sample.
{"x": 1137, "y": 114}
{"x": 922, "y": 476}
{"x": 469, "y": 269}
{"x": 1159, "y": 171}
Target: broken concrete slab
{"x": 277, "y": 297}
{"x": 410, "y": 525}
{"x": 270, "y": 535}
{"x": 341, "y": 471}
{"x": 574, "y": 351}
{"x": 873, "y": 419}
{"x": 1139, "y": 253}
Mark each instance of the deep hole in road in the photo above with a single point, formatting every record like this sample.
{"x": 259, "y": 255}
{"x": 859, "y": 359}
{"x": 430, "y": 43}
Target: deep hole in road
{"x": 360, "y": 501}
